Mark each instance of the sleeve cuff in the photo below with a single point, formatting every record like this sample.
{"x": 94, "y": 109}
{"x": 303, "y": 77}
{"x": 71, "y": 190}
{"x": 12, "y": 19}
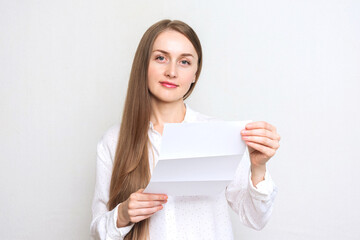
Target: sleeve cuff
{"x": 263, "y": 189}
{"x": 114, "y": 231}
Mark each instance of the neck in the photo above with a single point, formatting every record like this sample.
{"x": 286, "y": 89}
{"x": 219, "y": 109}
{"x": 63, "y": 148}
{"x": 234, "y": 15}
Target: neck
{"x": 162, "y": 113}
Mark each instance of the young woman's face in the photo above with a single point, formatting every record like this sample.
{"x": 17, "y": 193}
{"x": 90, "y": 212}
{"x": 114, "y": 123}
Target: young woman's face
{"x": 172, "y": 67}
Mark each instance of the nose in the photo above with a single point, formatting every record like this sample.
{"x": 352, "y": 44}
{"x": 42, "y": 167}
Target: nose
{"x": 171, "y": 70}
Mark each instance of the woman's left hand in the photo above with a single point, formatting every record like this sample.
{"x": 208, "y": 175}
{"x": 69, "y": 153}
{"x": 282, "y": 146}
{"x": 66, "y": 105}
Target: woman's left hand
{"x": 262, "y": 141}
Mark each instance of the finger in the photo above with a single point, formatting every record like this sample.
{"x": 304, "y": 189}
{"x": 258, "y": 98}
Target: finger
{"x": 145, "y": 204}
{"x": 268, "y": 152}
{"x": 144, "y": 211}
{"x": 138, "y": 196}
{"x": 260, "y": 124}
{"x": 263, "y": 141}
{"x": 261, "y": 132}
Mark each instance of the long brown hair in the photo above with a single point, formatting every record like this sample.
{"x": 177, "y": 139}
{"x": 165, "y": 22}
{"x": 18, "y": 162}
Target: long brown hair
{"x": 131, "y": 165}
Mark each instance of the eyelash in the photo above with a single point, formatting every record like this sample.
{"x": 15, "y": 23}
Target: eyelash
{"x": 159, "y": 57}
{"x": 187, "y": 62}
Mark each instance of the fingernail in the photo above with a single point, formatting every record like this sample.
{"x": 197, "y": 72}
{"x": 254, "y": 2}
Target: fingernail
{"x": 244, "y": 132}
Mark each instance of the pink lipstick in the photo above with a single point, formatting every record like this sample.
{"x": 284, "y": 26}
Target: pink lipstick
{"x": 168, "y": 84}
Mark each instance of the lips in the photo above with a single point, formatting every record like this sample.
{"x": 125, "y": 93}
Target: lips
{"x": 168, "y": 84}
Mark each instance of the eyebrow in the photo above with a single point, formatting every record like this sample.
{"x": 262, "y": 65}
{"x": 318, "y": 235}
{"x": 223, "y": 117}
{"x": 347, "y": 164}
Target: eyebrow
{"x": 165, "y": 52}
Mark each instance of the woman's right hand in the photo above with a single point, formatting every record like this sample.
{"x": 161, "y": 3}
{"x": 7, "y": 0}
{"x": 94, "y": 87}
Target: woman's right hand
{"x": 139, "y": 206}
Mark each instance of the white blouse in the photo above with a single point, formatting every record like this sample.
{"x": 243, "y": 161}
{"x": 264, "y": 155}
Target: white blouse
{"x": 195, "y": 217}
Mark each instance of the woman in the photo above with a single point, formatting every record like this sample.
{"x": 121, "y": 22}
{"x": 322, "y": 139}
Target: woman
{"x": 165, "y": 70}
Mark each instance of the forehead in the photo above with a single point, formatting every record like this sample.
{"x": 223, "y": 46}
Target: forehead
{"x": 173, "y": 42}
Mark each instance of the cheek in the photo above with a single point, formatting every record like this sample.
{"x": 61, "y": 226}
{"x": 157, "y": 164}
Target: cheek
{"x": 188, "y": 76}
{"x": 154, "y": 72}
{"x": 150, "y": 72}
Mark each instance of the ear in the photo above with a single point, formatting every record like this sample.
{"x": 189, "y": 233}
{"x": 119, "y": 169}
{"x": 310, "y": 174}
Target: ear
{"x": 194, "y": 78}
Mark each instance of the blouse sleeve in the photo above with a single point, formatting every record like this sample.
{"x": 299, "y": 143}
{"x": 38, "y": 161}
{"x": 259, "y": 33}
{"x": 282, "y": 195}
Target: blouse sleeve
{"x": 252, "y": 204}
{"x": 103, "y": 224}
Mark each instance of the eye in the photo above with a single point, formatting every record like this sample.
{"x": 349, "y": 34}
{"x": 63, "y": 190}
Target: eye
{"x": 161, "y": 58}
{"x": 185, "y": 62}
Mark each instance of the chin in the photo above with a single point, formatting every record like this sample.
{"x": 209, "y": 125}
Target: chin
{"x": 167, "y": 99}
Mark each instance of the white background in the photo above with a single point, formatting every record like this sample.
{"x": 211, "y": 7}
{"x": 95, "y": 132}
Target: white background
{"x": 64, "y": 67}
